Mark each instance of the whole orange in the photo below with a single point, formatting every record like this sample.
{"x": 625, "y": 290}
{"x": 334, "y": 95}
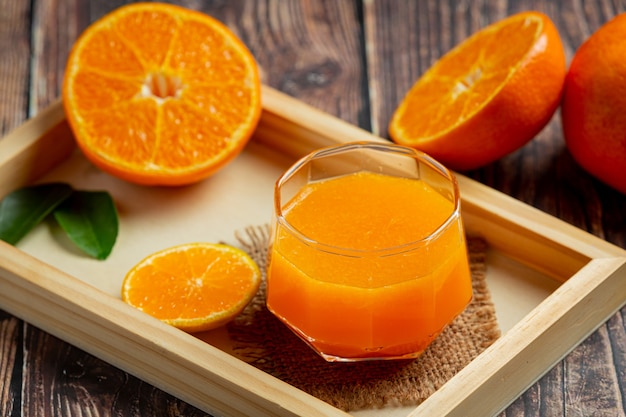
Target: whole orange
{"x": 488, "y": 96}
{"x": 593, "y": 111}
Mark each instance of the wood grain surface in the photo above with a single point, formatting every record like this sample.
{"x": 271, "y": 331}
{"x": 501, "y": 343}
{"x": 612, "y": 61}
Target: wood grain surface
{"x": 354, "y": 59}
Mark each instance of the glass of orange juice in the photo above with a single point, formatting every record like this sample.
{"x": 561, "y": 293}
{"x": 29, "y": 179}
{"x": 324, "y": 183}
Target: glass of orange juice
{"x": 368, "y": 258}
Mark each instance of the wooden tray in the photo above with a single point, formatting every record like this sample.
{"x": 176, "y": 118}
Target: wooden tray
{"x": 75, "y": 299}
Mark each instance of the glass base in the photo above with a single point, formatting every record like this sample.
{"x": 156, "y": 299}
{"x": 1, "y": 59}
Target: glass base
{"x": 329, "y": 352}
{"x": 374, "y": 357}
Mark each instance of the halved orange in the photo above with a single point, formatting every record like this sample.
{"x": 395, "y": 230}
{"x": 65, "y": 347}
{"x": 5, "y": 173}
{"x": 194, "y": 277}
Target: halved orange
{"x": 161, "y": 95}
{"x": 488, "y": 96}
{"x": 195, "y": 286}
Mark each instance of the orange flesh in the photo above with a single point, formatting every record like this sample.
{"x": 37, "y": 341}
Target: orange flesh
{"x": 467, "y": 78}
{"x": 383, "y": 306}
{"x": 157, "y": 94}
{"x": 194, "y": 286}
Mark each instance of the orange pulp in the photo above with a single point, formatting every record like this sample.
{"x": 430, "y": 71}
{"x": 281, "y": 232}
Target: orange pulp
{"x": 357, "y": 272}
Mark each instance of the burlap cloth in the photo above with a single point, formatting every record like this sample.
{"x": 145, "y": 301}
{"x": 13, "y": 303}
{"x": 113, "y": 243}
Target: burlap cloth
{"x": 268, "y": 345}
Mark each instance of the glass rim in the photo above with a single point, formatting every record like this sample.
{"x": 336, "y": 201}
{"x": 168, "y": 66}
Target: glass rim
{"x": 377, "y": 146}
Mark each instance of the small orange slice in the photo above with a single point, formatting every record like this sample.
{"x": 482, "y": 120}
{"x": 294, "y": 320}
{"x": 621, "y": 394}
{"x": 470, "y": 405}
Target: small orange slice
{"x": 161, "y": 95}
{"x": 488, "y": 96}
{"x": 194, "y": 287}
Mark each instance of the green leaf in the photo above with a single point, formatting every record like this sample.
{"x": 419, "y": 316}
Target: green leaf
{"x": 90, "y": 220}
{"x": 26, "y": 207}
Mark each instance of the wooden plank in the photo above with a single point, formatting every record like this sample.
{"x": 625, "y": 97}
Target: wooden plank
{"x": 311, "y": 51}
{"x": 56, "y": 25}
{"x": 9, "y": 362}
{"x": 14, "y": 44}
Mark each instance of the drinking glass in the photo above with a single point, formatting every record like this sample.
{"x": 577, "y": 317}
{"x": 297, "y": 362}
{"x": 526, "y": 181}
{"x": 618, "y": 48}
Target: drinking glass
{"x": 368, "y": 255}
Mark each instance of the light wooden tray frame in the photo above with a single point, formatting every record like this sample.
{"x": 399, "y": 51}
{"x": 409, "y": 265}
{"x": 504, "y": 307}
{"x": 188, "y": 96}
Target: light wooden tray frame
{"x": 592, "y": 272}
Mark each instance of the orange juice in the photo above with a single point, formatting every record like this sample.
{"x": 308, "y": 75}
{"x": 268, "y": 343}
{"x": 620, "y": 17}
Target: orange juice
{"x": 368, "y": 265}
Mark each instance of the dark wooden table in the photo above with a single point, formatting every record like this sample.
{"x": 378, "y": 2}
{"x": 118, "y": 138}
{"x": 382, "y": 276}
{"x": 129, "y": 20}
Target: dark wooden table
{"x": 353, "y": 59}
